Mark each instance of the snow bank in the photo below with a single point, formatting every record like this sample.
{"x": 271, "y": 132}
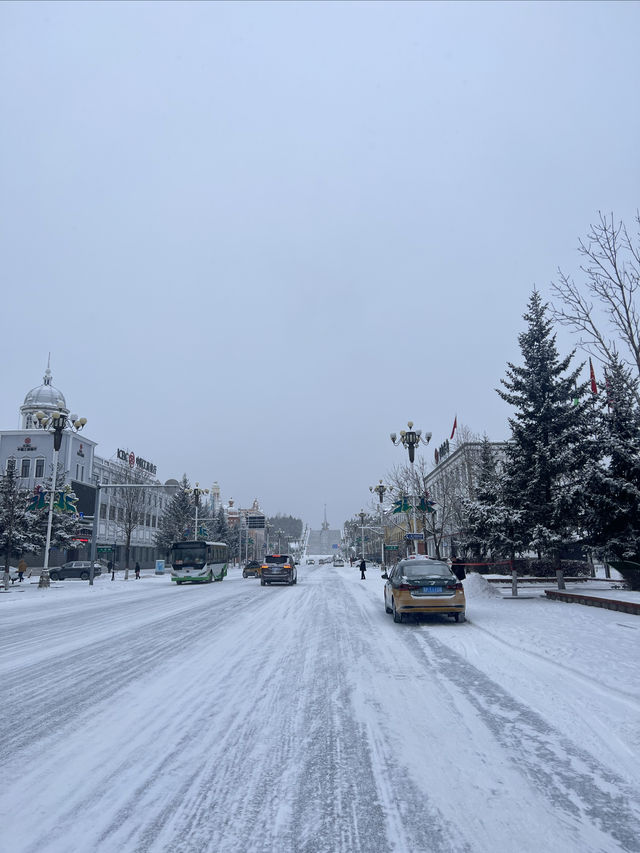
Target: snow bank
{"x": 475, "y": 586}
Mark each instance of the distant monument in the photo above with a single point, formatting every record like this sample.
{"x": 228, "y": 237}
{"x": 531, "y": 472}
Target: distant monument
{"x": 324, "y": 541}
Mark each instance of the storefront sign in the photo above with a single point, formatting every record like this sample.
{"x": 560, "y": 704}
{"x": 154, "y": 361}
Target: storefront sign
{"x": 136, "y": 461}
{"x": 26, "y": 445}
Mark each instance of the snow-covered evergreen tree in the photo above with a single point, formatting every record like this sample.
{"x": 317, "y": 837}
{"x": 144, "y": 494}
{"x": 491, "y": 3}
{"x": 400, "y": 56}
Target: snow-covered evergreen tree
{"x": 552, "y": 440}
{"x": 18, "y": 529}
{"x": 492, "y": 528}
{"x": 178, "y": 518}
{"x": 220, "y": 527}
{"x": 613, "y": 487}
{"x": 64, "y": 521}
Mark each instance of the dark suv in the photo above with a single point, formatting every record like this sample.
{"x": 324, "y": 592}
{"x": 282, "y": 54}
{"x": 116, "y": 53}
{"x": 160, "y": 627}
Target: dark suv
{"x": 278, "y": 568}
{"x": 75, "y": 569}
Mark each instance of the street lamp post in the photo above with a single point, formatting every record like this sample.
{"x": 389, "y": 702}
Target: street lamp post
{"x": 362, "y": 515}
{"x": 380, "y": 489}
{"x": 55, "y": 423}
{"x": 197, "y": 492}
{"x": 411, "y": 439}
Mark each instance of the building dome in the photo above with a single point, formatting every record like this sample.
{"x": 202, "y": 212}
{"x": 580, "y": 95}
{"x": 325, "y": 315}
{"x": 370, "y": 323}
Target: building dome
{"x": 45, "y": 395}
{"x": 45, "y": 398}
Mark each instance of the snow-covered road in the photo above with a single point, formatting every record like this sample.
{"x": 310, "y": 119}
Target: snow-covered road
{"x": 235, "y": 718}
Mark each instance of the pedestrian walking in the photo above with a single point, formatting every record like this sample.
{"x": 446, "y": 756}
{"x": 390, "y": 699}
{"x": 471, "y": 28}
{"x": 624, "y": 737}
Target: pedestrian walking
{"x": 137, "y": 570}
{"x": 458, "y": 568}
{"x": 22, "y": 568}
{"x": 363, "y": 568}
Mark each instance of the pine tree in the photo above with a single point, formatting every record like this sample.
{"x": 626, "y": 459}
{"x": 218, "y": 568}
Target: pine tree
{"x": 613, "y": 485}
{"x": 18, "y": 530}
{"x": 177, "y": 522}
{"x": 64, "y": 522}
{"x": 220, "y": 527}
{"x": 552, "y": 440}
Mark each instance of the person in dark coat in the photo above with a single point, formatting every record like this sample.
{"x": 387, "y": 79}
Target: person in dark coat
{"x": 458, "y": 568}
{"x": 363, "y": 568}
{"x": 137, "y": 570}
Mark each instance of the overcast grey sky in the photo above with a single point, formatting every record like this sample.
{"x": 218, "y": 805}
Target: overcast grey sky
{"x": 258, "y": 237}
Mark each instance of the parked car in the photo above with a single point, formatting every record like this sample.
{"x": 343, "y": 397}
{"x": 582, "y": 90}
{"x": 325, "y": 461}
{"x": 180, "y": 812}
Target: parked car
{"x": 252, "y": 569}
{"x": 338, "y": 562}
{"x": 75, "y": 569}
{"x": 311, "y": 562}
{"x": 278, "y": 568}
{"x": 421, "y": 585}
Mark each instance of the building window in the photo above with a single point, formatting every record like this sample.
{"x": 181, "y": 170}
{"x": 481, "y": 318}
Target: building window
{"x": 77, "y": 472}
{"x": 25, "y": 467}
{"x": 120, "y": 513}
{"x": 39, "y": 468}
{"x": 11, "y": 464}
{"x": 112, "y": 513}
{"x": 103, "y": 510}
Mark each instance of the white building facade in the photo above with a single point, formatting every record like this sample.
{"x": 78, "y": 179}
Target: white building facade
{"x": 29, "y": 450}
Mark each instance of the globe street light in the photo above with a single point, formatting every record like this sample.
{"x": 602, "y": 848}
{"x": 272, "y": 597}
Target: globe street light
{"x": 411, "y": 439}
{"x": 55, "y": 423}
{"x": 380, "y": 489}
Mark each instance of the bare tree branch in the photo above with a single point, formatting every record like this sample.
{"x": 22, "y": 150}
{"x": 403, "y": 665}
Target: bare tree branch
{"x": 611, "y": 271}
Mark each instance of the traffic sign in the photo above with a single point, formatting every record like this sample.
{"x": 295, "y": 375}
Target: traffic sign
{"x": 104, "y": 549}
{"x": 390, "y": 547}
{"x": 414, "y": 536}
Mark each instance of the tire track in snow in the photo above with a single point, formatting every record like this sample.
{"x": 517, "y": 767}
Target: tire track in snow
{"x": 569, "y": 777}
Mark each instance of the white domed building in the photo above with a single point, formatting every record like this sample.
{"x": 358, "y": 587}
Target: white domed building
{"x": 29, "y": 450}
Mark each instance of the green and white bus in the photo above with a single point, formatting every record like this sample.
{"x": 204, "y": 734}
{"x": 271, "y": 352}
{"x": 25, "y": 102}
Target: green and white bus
{"x": 198, "y": 561}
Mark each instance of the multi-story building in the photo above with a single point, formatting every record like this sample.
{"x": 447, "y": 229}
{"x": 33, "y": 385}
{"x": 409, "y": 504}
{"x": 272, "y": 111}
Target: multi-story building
{"x": 453, "y": 478}
{"x": 29, "y": 450}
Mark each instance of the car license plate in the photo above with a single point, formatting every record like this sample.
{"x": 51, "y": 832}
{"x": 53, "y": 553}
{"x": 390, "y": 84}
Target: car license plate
{"x": 431, "y": 589}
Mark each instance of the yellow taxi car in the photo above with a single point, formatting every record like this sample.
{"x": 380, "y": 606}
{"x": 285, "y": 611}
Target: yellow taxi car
{"x": 419, "y": 584}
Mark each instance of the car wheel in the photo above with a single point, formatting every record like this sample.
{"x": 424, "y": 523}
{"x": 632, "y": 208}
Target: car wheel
{"x": 244, "y": 575}
{"x": 54, "y": 576}
{"x": 263, "y": 582}
{"x": 460, "y": 617}
{"x": 84, "y": 576}
{"x": 397, "y": 616}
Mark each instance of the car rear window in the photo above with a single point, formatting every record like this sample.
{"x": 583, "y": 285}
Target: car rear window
{"x": 277, "y": 558}
{"x": 425, "y": 569}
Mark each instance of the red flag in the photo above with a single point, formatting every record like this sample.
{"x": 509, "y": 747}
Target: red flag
{"x": 455, "y": 426}
{"x": 594, "y": 387}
